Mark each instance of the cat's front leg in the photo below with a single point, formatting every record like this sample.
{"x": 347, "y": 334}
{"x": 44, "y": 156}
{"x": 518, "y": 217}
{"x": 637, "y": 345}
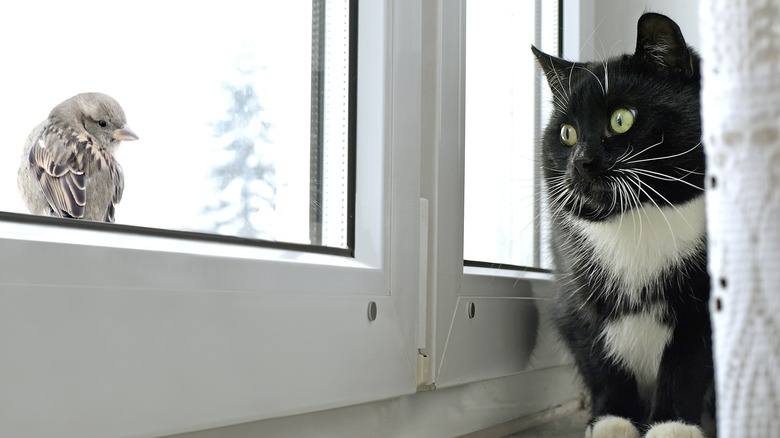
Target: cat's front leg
{"x": 614, "y": 392}
{"x": 616, "y": 406}
{"x": 684, "y": 377}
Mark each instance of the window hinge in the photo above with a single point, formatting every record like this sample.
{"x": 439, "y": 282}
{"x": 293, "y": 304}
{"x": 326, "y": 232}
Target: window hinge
{"x": 424, "y": 380}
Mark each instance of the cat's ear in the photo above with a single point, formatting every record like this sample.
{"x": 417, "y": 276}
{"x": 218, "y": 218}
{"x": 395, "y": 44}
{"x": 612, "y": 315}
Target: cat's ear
{"x": 556, "y": 70}
{"x": 660, "y": 43}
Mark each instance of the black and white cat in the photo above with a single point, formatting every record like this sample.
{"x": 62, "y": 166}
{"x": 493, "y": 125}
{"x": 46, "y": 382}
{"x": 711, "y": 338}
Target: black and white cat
{"x": 623, "y": 165}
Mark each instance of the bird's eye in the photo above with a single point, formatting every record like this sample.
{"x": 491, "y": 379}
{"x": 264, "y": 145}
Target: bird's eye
{"x": 622, "y": 120}
{"x": 102, "y": 123}
{"x": 568, "y": 135}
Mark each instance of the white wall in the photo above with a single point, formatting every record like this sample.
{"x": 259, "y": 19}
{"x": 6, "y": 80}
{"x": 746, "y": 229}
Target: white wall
{"x": 615, "y": 25}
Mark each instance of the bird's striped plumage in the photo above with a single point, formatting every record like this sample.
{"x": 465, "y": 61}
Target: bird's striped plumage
{"x": 68, "y": 166}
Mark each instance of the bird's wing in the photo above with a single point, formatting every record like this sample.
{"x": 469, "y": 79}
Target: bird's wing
{"x": 118, "y": 178}
{"x": 59, "y": 158}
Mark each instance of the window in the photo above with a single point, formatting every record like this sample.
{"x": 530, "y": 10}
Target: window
{"x": 242, "y": 109}
{"x": 197, "y": 333}
{"x": 461, "y": 347}
{"x": 505, "y": 105}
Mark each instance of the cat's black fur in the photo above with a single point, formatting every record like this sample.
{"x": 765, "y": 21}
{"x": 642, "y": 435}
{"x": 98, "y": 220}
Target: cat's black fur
{"x": 611, "y": 183}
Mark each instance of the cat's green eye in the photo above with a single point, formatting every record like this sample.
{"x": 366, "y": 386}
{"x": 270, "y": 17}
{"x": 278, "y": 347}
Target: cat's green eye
{"x": 568, "y": 135}
{"x": 622, "y": 120}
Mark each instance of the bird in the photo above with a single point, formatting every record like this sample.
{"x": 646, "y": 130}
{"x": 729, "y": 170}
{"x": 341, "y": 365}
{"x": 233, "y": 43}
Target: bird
{"x": 68, "y": 166}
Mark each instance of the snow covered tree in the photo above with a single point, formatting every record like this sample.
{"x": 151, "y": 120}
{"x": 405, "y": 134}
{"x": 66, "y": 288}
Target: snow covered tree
{"x": 245, "y": 179}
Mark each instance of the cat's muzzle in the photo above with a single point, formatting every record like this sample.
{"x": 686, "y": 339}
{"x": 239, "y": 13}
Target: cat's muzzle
{"x": 594, "y": 200}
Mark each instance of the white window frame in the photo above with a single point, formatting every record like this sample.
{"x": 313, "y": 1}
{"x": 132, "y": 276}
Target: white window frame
{"x": 462, "y": 350}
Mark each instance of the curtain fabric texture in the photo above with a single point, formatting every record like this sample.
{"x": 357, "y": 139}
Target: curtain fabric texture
{"x": 740, "y": 48}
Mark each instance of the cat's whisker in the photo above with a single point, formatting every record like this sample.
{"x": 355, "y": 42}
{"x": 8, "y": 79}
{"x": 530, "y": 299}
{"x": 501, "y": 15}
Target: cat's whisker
{"x": 562, "y": 195}
{"x": 637, "y": 203}
{"x": 622, "y": 157}
{"x": 663, "y": 198}
{"x": 581, "y": 206}
{"x": 592, "y": 34}
{"x": 663, "y": 215}
{"x": 604, "y": 62}
{"x": 560, "y": 199}
{"x": 636, "y": 220}
{"x": 640, "y": 185}
{"x": 575, "y": 201}
{"x": 606, "y": 66}
{"x": 642, "y": 151}
{"x": 561, "y": 90}
{"x": 558, "y": 191}
{"x": 688, "y": 172}
{"x": 621, "y": 189}
{"x": 644, "y": 160}
{"x": 586, "y": 301}
{"x": 571, "y": 75}
{"x": 571, "y": 280}
{"x": 612, "y": 48}
{"x": 662, "y": 177}
{"x": 558, "y": 184}
{"x": 557, "y": 210}
{"x": 641, "y": 211}
{"x": 559, "y": 105}
{"x": 596, "y": 77}
{"x": 561, "y": 98}
{"x": 614, "y": 198}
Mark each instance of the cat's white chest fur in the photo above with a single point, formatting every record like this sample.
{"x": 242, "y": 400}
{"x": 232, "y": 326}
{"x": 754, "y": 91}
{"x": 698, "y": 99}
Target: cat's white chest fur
{"x": 637, "y": 343}
{"x": 635, "y": 250}
{"x": 636, "y": 247}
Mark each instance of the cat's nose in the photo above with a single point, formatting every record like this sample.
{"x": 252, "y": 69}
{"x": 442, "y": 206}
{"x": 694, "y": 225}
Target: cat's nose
{"x": 587, "y": 166}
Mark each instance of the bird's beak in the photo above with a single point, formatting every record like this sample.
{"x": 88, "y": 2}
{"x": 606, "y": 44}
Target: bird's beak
{"x": 124, "y": 134}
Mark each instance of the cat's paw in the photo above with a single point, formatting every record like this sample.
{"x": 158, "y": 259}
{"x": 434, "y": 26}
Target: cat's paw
{"x": 674, "y": 429}
{"x": 611, "y": 427}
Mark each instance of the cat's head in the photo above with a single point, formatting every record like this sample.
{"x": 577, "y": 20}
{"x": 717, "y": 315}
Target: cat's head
{"x": 625, "y": 132}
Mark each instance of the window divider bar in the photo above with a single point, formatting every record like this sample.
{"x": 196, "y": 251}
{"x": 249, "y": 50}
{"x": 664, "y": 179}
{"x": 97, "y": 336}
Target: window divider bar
{"x": 316, "y": 156}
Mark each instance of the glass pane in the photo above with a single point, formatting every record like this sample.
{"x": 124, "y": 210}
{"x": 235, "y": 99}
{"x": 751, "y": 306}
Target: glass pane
{"x": 331, "y": 190}
{"x": 220, "y": 95}
{"x": 502, "y": 209}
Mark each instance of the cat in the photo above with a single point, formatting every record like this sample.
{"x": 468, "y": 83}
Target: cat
{"x": 623, "y": 166}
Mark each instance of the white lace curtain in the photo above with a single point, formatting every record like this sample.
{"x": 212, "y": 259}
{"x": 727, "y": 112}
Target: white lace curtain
{"x": 740, "y": 48}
